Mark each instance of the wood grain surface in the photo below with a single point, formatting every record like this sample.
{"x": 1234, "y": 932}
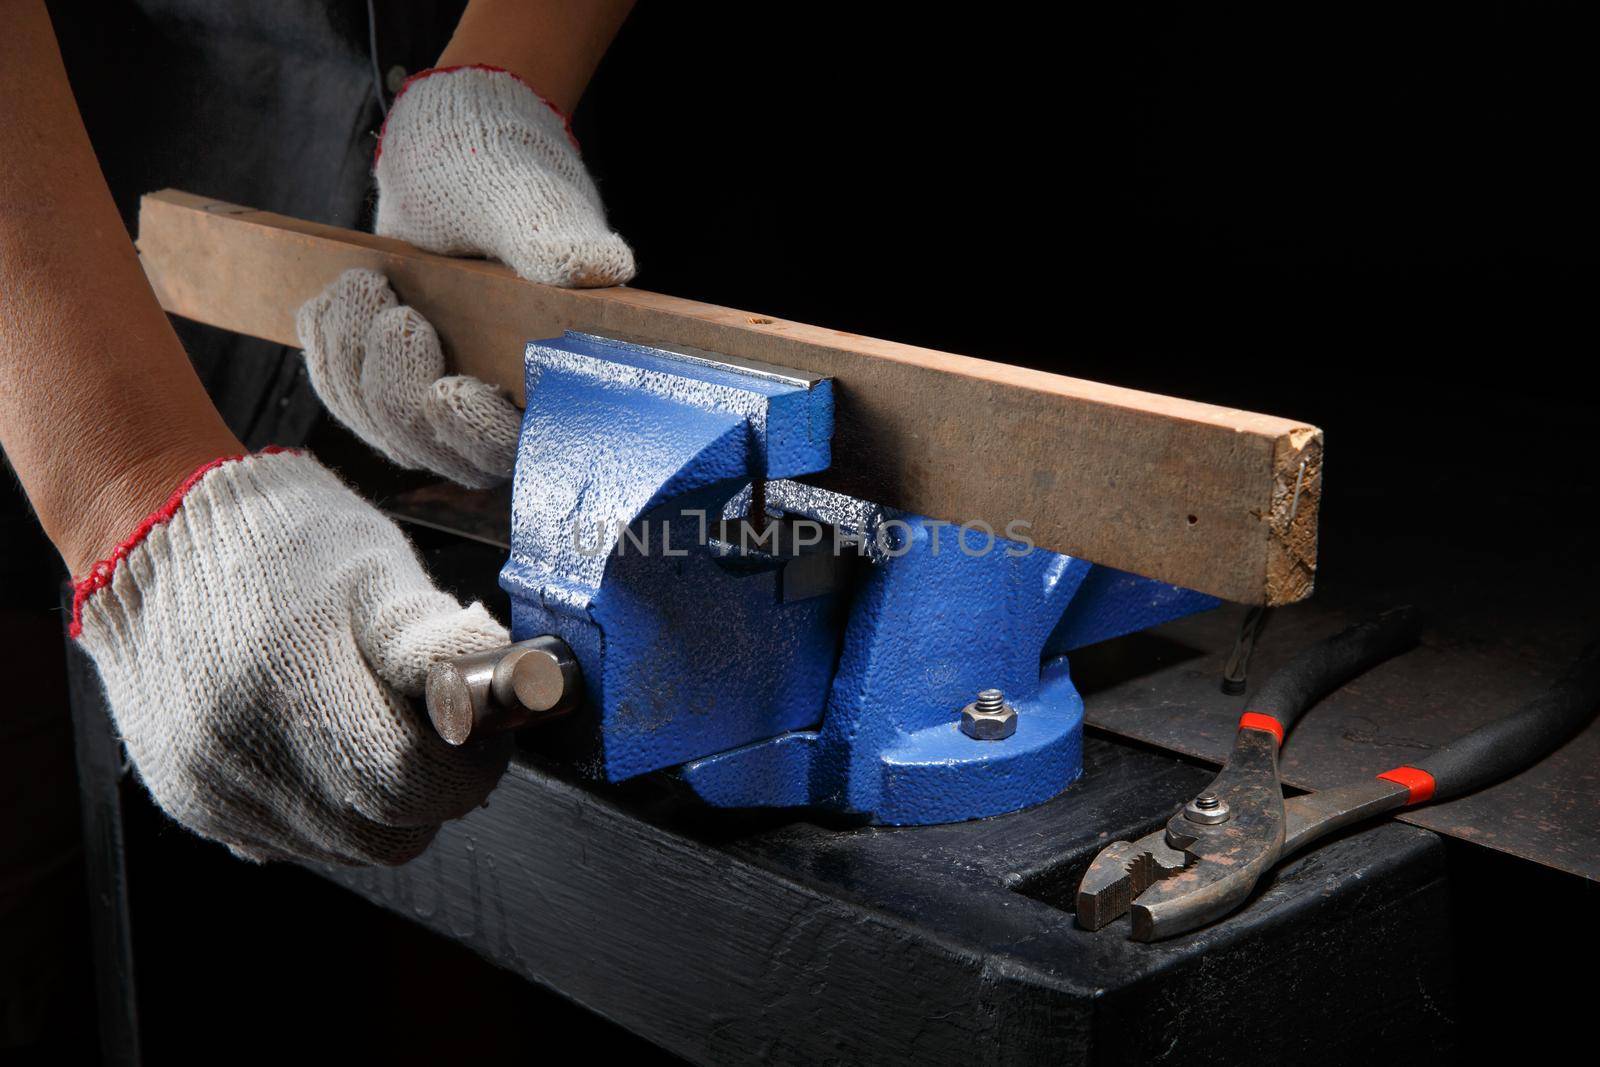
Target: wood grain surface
{"x": 1212, "y": 498}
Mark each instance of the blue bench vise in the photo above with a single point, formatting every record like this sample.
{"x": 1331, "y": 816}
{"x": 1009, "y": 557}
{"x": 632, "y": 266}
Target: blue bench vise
{"x": 682, "y": 600}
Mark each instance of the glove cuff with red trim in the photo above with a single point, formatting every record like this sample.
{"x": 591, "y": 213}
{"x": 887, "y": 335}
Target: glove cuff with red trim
{"x": 258, "y": 637}
{"x": 473, "y": 162}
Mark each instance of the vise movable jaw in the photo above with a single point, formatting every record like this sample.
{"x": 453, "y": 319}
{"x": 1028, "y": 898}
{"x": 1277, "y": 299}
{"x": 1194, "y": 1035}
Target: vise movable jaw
{"x": 776, "y": 644}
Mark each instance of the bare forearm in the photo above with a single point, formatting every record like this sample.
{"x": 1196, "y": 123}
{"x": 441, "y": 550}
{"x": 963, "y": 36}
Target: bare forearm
{"x": 553, "y": 45}
{"x": 101, "y": 413}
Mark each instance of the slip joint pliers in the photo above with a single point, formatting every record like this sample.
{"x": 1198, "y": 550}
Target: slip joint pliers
{"x": 1211, "y": 854}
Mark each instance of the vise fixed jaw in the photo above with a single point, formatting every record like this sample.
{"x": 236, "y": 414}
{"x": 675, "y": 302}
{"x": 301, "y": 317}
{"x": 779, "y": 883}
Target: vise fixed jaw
{"x": 627, "y": 458}
{"x": 773, "y": 643}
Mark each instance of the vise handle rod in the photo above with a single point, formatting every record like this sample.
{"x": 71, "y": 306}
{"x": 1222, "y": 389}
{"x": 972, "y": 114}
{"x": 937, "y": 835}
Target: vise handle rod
{"x": 503, "y": 689}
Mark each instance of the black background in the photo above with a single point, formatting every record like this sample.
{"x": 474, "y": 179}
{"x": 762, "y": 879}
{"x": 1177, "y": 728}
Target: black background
{"x": 1378, "y": 219}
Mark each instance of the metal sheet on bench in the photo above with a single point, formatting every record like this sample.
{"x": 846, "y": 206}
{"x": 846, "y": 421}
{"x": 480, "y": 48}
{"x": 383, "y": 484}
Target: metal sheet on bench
{"x": 1495, "y": 639}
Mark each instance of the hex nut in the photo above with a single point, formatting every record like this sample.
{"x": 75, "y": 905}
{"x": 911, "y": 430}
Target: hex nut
{"x": 988, "y": 725}
{"x": 1208, "y": 809}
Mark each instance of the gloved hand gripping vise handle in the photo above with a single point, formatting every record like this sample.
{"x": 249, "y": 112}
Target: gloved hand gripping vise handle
{"x": 503, "y": 689}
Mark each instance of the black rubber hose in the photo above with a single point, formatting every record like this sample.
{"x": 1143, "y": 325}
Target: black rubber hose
{"x": 1320, "y": 669}
{"x": 1501, "y": 748}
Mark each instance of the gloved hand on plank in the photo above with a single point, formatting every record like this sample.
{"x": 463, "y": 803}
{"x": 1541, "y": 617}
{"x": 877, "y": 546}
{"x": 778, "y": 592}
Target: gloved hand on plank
{"x": 471, "y": 162}
{"x": 378, "y": 367}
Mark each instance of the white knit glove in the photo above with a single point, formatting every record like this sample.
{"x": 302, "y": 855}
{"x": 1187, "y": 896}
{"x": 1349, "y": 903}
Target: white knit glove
{"x": 258, "y": 643}
{"x": 378, "y": 367}
{"x": 472, "y": 162}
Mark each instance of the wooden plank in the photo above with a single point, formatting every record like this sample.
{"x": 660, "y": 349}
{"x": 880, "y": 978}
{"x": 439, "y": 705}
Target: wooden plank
{"x": 1208, "y": 497}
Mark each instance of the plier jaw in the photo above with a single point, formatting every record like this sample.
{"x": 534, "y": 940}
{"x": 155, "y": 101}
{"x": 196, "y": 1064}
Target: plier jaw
{"x": 1122, "y": 872}
{"x": 1204, "y": 862}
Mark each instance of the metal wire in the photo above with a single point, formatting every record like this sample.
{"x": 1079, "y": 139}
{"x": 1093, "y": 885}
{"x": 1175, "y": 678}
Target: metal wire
{"x": 1236, "y": 674}
{"x": 372, "y": 51}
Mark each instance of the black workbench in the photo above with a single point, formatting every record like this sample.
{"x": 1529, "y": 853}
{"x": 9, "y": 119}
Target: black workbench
{"x": 733, "y": 940}
{"x": 730, "y": 937}
{"x": 727, "y": 939}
